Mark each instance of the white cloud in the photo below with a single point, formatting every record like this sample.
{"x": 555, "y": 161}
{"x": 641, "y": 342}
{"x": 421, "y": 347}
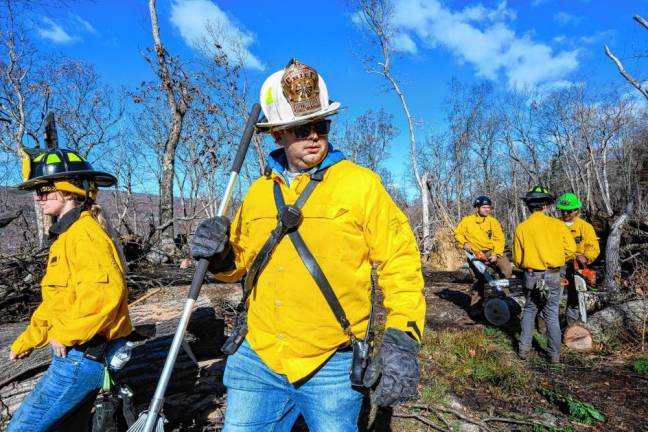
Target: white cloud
{"x": 54, "y": 32}
{"x": 85, "y": 25}
{"x": 482, "y": 37}
{"x": 404, "y": 43}
{"x": 564, "y": 18}
{"x": 198, "y": 20}
{"x": 599, "y": 36}
{"x": 560, "y": 39}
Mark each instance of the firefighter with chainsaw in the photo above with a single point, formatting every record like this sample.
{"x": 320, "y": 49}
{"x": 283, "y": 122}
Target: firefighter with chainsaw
{"x": 587, "y": 250}
{"x": 542, "y": 246}
{"x": 83, "y": 318}
{"x": 481, "y": 235}
{"x": 306, "y": 238}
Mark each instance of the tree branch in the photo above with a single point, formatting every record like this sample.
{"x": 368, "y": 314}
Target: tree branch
{"x": 641, "y": 21}
{"x": 623, "y": 72}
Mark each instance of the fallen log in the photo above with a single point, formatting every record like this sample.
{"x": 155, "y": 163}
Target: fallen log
{"x": 7, "y": 218}
{"x": 204, "y": 337}
{"x": 594, "y": 301}
{"x": 621, "y": 319}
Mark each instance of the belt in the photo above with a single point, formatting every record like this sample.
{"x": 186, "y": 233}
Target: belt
{"x": 549, "y": 270}
{"x": 94, "y": 349}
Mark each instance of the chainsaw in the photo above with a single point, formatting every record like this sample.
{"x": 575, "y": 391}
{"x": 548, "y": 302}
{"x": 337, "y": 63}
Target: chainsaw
{"x": 583, "y": 277}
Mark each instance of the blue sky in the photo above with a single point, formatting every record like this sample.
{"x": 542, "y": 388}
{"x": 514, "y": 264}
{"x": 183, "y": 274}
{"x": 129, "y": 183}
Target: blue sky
{"x": 540, "y": 43}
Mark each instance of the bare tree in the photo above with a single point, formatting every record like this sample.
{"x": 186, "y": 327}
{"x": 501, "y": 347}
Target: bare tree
{"x": 175, "y": 84}
{"x": 88, "y": 111}
{"x": 376, "y": 19}
{"x": 366, "y": 140}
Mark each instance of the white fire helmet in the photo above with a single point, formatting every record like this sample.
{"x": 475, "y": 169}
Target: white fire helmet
{"x": 293, "y": 96}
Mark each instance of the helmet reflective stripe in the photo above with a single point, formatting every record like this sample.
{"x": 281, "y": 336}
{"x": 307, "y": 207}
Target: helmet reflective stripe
{"x": 539, "y": 189}
{"x": 268, "y": 99}
{"x": 26, "y": 165}
{"x": 539, "y": 194}
{"x": 73, "y": 157}
{"x": 53, "y": 158}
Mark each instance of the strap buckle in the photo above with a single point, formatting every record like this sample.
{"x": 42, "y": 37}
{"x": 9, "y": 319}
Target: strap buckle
{"x": 290, "y": 217}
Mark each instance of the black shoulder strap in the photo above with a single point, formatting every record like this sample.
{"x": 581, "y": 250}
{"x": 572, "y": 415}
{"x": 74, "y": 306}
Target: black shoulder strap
{"x": 311, "y": 263}
{"x": 287, "y": 218}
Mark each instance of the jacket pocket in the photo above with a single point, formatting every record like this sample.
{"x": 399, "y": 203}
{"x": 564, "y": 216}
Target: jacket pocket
{"x": 56, "y": 277}
{"x": 329, "y": 231}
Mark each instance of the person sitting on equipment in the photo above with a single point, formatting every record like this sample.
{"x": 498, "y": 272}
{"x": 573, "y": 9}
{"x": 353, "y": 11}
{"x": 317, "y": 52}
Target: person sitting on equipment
{"x": 482, "y": 235}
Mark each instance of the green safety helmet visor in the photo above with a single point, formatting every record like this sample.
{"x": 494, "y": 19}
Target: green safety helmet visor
{"x": 568, "y": 201}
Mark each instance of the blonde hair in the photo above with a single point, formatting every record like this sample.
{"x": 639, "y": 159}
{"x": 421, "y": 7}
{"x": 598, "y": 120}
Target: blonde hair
{"x": 97, "y": 213}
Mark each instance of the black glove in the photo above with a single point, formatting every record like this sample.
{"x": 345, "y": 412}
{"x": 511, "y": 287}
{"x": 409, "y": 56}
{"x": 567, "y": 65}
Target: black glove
{"x": 396, "y": 366}
{"x": 211, "y": 241}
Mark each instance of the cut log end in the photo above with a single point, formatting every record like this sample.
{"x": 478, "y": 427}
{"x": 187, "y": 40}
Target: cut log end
{"x": 578, "y": 338}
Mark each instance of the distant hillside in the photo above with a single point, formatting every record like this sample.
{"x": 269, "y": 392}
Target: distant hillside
{"x": 23, "y": 230}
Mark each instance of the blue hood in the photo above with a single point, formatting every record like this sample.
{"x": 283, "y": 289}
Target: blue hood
{"x": 277, "y": 160}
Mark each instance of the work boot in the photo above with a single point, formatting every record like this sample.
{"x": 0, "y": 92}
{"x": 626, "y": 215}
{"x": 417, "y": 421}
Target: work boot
{"x": 554, "y": 360}
{"x": 523, "y": 354}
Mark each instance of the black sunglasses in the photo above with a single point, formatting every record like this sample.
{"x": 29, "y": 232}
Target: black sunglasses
{"x": 321, "y": 127}
{"x": 44, "y": 190}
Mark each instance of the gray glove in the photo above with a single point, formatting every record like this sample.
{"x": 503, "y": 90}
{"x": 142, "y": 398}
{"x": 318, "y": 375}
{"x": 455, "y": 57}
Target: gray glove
{"x": 211, "y": 241}
{"x": 396, "y": 367}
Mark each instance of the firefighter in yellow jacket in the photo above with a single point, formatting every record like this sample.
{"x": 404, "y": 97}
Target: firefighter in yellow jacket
{"x": 587, "y": 247}
{"x": 83, "y": 317}
{"x": 542, "y": 246}
{"x": 481, "y": 232}
{"x": 302, "y": 337}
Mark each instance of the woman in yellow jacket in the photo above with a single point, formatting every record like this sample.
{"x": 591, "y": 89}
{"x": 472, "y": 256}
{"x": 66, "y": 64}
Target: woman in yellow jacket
{"x": 84, "y": 313}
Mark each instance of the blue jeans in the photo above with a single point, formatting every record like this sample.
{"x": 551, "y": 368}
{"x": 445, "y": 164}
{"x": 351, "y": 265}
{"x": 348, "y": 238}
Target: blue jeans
{"x": 259, "y": 399}
{"x": 67, "y": 383}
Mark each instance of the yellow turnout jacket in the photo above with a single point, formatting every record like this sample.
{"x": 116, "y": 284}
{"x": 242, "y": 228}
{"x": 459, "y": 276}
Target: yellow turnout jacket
{"x": 587, "y": 242}
{"x": 482, "y": 233}
{"x": 542, "y": 242}
{"x": 84, "y": 292}
{"x": 349, "y": 223}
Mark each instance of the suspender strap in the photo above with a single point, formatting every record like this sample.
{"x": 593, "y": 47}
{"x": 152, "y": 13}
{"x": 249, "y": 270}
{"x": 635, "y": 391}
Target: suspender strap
{"x": 288, "y": 218}
{"x": 312, "y": 265}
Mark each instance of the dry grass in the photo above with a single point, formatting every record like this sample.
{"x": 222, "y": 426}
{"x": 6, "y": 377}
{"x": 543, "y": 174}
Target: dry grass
{"x": 475, "y": 357}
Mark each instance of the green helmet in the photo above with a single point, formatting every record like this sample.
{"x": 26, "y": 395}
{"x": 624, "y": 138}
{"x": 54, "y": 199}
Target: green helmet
{"x": 538, "y": 195}
{"x": 569, "y": 201}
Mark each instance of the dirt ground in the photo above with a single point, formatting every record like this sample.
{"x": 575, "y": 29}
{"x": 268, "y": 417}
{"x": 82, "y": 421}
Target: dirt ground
{"x": 602, "y": 378}
{"x": 604, "y": 381}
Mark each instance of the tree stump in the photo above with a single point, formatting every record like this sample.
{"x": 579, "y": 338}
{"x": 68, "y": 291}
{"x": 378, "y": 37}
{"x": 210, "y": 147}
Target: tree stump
{"x": 578, "y": 338}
